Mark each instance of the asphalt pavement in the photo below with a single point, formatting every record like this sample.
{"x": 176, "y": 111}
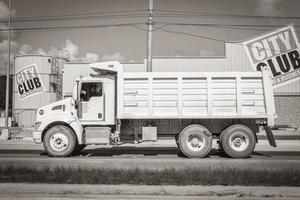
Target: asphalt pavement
{"x": 21, "y": 151}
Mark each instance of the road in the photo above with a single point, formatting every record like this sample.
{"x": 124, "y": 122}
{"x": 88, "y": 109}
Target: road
{"x": 150, "y": 156}
{"x": 147, "y": 156}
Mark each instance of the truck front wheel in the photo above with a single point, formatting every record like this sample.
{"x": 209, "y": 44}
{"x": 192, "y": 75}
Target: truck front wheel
{"x": 59, "y": 141}
{"x": 195, "y": 141}
{"x": 238, "y": 141}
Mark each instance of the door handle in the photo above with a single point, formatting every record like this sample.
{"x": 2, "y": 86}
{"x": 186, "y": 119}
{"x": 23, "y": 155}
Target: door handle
{"x": 99, "y": 115}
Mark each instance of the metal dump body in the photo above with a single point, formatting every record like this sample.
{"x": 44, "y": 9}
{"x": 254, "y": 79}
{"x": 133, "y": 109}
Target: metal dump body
{"x": 196, "y": 95}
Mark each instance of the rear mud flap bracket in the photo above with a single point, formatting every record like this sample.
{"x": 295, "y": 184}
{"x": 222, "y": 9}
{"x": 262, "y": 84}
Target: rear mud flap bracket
{"x": 270, "y": 136}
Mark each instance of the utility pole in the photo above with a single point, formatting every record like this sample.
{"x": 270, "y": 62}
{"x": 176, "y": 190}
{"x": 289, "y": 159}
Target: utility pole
{"x": 5, "y": 132}
{"x": 149, "y": 37}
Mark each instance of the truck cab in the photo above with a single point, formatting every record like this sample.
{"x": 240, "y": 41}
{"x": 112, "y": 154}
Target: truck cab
{"x": 95, "y": 98}
{"x": 70, "y": 124}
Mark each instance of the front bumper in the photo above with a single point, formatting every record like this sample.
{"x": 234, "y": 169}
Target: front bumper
{"x": 37, "y": 136}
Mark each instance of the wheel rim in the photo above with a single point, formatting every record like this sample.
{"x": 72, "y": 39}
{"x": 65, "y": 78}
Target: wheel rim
{"x": 195, "y": 142}
{"x": 59, "y": 142}
{"x": 239, "y": 141}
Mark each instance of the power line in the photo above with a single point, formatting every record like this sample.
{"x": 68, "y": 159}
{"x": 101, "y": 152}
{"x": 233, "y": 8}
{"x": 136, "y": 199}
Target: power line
{"x": 225, "y": 26}
{"x": 78, "y": 15}
{"x": 215, "y": 39}
{"x": 222, "y": 25}
{"x": 141, "y": 13}
{"x": 212, "y": 14}
{"x": 251, "y": 27}
{"x": 73, "y": 18}
{"x": 71, "y": 27}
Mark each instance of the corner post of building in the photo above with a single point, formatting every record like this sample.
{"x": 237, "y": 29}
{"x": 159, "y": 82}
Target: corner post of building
{"x": 5, "y": 134}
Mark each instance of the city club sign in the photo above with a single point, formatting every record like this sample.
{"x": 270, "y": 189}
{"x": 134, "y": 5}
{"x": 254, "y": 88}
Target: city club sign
{"x": 29, "y": 82}
{"x": 279, "y": 51}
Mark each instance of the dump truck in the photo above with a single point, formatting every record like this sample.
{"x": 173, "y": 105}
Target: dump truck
{"x": 111, "y": 107}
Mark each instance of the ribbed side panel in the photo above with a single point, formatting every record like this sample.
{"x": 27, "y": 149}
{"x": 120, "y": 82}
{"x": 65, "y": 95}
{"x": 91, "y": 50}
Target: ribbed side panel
{"x": 165, "y": 95}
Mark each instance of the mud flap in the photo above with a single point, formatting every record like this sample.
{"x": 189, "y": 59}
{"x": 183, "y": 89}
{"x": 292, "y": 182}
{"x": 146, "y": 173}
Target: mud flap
{"x": 270, "y": 136}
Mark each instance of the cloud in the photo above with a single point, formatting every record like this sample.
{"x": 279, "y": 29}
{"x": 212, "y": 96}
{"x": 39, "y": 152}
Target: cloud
{"x": 4, "y": 53}
{"x": 91, "y": 57}
{"x": 41, "y": 51}
{"x": 4, "y": 11}
{"x": 112, "y": 57}
{"x": 25, "y": 49}
{"x": 268, "y": 8}
{"x": 4, "y": 47}
{"x": 4, "y": 16}
{"x": 71, "y": 49}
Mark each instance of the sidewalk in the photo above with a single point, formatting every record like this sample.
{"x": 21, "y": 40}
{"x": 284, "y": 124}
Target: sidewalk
{"x": 95, "y": 191}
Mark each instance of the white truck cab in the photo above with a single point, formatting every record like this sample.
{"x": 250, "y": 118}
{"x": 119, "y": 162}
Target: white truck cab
{"x": 110, "y": 106}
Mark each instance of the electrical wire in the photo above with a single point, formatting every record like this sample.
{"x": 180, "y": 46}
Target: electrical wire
{"x": 81, "y": 16}
{"x": 71, "y": 27}
{"x": 222, "y": 25}
{"x": 215, "y": 39}
{"x": 251, "y": 27}
{"x": 141, "y": 13}
{"x": 221, "y": 15}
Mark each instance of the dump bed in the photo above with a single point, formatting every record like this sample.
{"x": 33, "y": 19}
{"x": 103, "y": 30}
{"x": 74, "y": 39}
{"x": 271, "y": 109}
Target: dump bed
{"x": 196, "y": 95}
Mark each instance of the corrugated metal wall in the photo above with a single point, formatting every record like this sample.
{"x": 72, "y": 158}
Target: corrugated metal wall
{"x": 234, "y": 60}
{"x": 70, "y": 73}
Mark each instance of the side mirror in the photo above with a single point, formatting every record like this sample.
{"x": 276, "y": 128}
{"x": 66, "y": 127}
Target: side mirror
{"x": 75, "y": 93}
{"x": 76, "y": 104}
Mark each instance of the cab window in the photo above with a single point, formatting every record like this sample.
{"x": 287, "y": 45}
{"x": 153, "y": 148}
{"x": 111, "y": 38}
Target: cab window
{"x": 89, "y": 90}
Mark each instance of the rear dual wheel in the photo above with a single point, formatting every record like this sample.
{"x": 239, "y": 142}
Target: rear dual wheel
{"x": 195, "y": 141}
{"x": 238, "y": 141}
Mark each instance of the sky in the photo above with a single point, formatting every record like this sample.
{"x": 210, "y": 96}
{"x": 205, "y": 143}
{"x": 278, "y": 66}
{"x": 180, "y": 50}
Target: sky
{"x": 79, "y": 27}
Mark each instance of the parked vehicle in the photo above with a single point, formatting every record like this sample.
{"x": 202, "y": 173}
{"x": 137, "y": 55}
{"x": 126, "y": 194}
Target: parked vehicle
{"x": 113, "y": 107}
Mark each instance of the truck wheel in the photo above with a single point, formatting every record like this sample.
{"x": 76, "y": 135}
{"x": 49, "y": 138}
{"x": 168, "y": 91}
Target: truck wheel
{"x": 195, "y": 141}
{"x": 59, "y": 141}
{"x": 238, "y": 141}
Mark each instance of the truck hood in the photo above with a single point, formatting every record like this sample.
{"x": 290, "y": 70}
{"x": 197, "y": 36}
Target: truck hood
{"x": 64, "y": 105}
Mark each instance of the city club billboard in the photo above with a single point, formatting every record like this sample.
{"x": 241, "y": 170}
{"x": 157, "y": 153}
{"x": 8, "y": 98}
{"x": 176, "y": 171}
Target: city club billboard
{"x": 29, "y": 82}
{"x": 277, "y": 50}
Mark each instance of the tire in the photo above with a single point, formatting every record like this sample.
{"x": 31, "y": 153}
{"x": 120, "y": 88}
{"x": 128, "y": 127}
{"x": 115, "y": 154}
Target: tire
{"x": 238, "y": 141}
{"x": 195, "y": 141}
{"x": 78, "y": 148}
{"x": 59, "y": 141}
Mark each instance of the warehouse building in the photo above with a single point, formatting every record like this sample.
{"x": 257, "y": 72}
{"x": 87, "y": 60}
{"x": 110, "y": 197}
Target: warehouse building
{"x": 287, "y": 97}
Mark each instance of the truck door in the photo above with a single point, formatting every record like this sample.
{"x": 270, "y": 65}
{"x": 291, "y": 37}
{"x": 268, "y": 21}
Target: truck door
{"x": 91, "y": 104}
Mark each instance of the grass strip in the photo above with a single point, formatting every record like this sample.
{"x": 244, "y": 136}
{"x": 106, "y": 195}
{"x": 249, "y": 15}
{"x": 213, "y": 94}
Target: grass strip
{"x": 171, "y": 176}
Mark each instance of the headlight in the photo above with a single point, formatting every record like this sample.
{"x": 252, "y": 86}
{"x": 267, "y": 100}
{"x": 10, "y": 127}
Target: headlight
{"x": 37, "y": 125}
{"x": 41, "y": 112}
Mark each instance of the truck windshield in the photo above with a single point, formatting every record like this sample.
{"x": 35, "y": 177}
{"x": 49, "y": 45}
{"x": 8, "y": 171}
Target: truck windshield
{"x": 89, "y": 90}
